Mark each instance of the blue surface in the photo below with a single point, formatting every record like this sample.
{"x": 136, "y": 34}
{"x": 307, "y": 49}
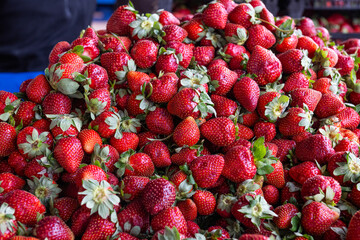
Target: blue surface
{"x": 11, "y": 81}
{"x": 106, "y": 1}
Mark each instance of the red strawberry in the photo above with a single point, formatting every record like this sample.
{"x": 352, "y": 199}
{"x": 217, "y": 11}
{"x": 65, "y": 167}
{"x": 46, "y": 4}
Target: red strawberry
{"x": 285, "y": 214}
{"x": 9, "y": 182}
{"x": 204, "y": 55}
{"x": 96, "y": 75}
{"x": 168, "y": 18}
{"x": 325, "y": 57}
{"x": 71, "y": 57}
{"x": 160, "y": 121}
{"x": 88, "y": 48}
{"x": 235, "y": 33}
{"x": 159, "y": 153}
{"x": 296, "y": 80}
{"x": 114, "y": 62}
{"x": 316, "y": 218}
{"x": 276, "y": 177}
{"x": 239, "y": 171}
{"x": 186, "y": 132}
{"x": 206, "y": 170}
{"x": 295, "y": 122}
{"x": 171, "y": 217}
{"x": 52, "y": 227}
{"x": 194, "y": 28}
{"x": 186, "y": 51}
{"x": 188, "y": 209}
{"x": 121, "y": 18}
{"x": 215, "y": 16}
{"x": 26, "y": 206}
{"x": 80, "y": 220}
{"x": 353, "y": 228}
{"x": 287, "y": 43}
{"x": 132, "y": 187}
{"x": 312, "y": 186}
{"x": 345, "y": 64}
{"x": 265, "y": 65}
{"x": 135, "y": 164}
{"x": 89, "y": 172}
{"x": 8, "y": 136}
{"x": 56, "y": 103}
{"x": 32, "y": 142}
{"x": 271, "y": 194}
{"x": 17, "y": 161}
{"x": 225, "y": 79}
{"x": 329, "y": 105}
{"x": 265, "y": 129}
{"x": 134, "y": 217}
{"x": 9, "y": 224}
{"x": 260, "y": 35}
{"x": 187, "y": 155}
{"x": 25, "y": 114}
{"x": 69, "y": 153}
{"x": 174, "y": 33}
{"x": 247, "y": 92}
{"x": 164, "y": 88}
{"x": 58, "y": 49}
{"x": 38, "y": 88}
{"x": 294, "y": 60}
{"x": 128, "y": 141}
{"x": 205, "y": 202}
{"x": 117, "y": 44}
{"x": 220, "y": 131}
{"x": 248, "y": 236}
{"x": 307, "y": 27}
{"x": 349, "y": 118}
{"x": 144, "y": 53}
{"x": 314, "y": 147}
{"x": 224, "y": 107}
{"x": 306, "y": 43}
{"x": 98, "y": 228}
{"x": 303, "y": 171}
{"x": 88, "y": 139}
{"x": 65, "y": 207}
{"x": 242, "y": 15}
{"x": 167, "y": 61}
{"x": 308, "y": 96}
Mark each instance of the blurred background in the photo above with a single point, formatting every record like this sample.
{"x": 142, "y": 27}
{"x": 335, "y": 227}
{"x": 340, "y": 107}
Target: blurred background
{"x": 341, "y": 17}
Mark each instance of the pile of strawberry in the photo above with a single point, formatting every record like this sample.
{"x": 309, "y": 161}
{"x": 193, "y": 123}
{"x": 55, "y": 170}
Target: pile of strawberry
{"x": 229, "y": 124}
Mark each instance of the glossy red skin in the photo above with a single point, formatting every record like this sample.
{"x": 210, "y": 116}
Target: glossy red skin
{"x": 220, "y": 131}
{"x": 8, "y": 136}
{"x": 239, "y": 15}
{"x": 225, "y": 77}
{"x": 260, "y": 35}
{"x": 311, "y": 187}
{"x": 247, "y": 92}
{"x": 224, "y": 107}
{"x": 242, "y": 201}
{"x": 215, "y": 16}
{"x": 303, "y": 171}
{"x": 329, "y": 105}
{"x": 285, "y": 213}
{"x": 52, "y": 227}
{"x": 308, "y": 96}
{"x": 128, "y": 141}
{"x": 119, "y": 21}
{"x": 207, "y": 169}
{"x": 160, "y": 121}
{"x": 171, "y": 217}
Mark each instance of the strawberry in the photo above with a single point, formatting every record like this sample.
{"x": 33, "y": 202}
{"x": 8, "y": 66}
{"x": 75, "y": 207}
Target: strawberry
{"x": 18, "y": 162}
{"x": 120, "y": 19}
{"x": 347, "y": 145}
{"x": 167, "y": 61}
{"x": 349, "y": 118}
{"x": 89, "y": 172}
{"x": 88, "y": 139}
{"x": 188, "y": 209}
{"x": 164, "y": 88}
{"x": 174, "y": 33}
{"x": 71, "y": 57}
{"x": 235, "y": 33}
{"x": 225, "y": 79}
{"x": 25, "y": 114}
{"x": 186, "y": 132}
{"x": 303, "y": 171}
{"x": 247, "y": 92}
{"x": 206, "y": 170}
{"x": 291, "y": 190}
{"x": 194, "y": 29}
{"x": 88, "y": 48}
{"x": 187, "y": 155}
{"x": 345, "y": 64}
{"x": 26, "y": 206}
{"x": 251, "y": 210}
{"x": 329, "y": 105}
{"x": 286, "y": 43}
{"x": 260, "y": 35}
{"x": 185, "y": 50}
{"x": 301, "y": 96}
{"x": 297, "y": 121}
{"x": 276, "y": 177}
{"x": 224, "y": 205}
{"x": 323, "y": 185}
{"x": 144, "y": 53}
{"x": 285, "y": 214}
{"x": 248, "y": 236}
{"x": 126, "y": 236}
{"x": 69, "y": 153}
{"x": 160, "y": 121}
{"x": 98, "y": 101}
{"x": 204, "y": 55}
{"x": 132, "y": 187}
{"x": 316, "y": 218}
{"x": 128, "y": 141}
{"x": 159, "y": 153}
{"x": 64, "y": 125}
{"x": 58, "y": 49}
{"x": 114, "y": 62}
{"x": 265, "y": 65}
{"x": 134, "y": 164}
{"x": 294, "y": 60}
{"x": 52, "y": 227}
{"x": 56, "y": 103}
{"x": 8, "y": 136}
{"x": 307, "y": 27}
{"x": 9, "y": 182}
{"x": 224, "y": 107}
{"x": 80, "y": 220}
{"x": 239, "y": 171}
{"x": 65, "y": 207}
{"x": 215, "y": 16}
{"x": 220, "y": 131}
{"x": 158, "y": 195}
{"x": 32, "y": 142}
{"x": 171, "y": 217}
{"x": 98, "y": 228}
{"x": 116, "y": 43}
{"x": 341, "y": 167}
{"x": 241, "y": 14}
{"x": 96, "y": 76}
{"x": 307, "y": 43}
{"x": 205, "y": 202}
{"x": 271, "y": 194}
{"x": 353, "y": 228}
{"x": 134, "y": 218}
{"x": 8, "y": 222}
{"x": 325, "y": 57}
{"x": 265, "y": 129}
{"x": 168, "y": 18}
{"x": 38, "y": 88}
{"x": 284, "y": 148}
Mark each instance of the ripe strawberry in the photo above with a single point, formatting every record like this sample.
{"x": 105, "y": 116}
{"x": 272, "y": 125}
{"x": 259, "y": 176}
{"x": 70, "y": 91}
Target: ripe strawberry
{"x": 88, "y": 139}
{"x": 174, "y": 33}
{"x": 98, "y": 228}
{"x": 26, "y": 113}
{"x": 144, "y": 53}
{"x": 349, "y": 118}
{"x": 225, "y": 79}
{"x": 164, "y": 88}
{"x": 98, "y": 101}
{"x": 285, "y": 213}
{"x": 247, "y": 92}
{"x": 120, "y": 19}
{"x": 187, "y": 155}
{"x": 224, "y": 107}
{"x": 353, "y": 228}
{"x": 89, "y": 172}
{"x": 134, "y": 164}
{"x": 186, "y": 132}
{"x": 56, "y": 103}
{"x": 239, "y": 171}
{"x": 114, "y": 62}
{"x": 58, "y": 49}
{"x": 159, "y": 153}
{"x": 294, "y": 60}
{"x": 132, "y": 187}
{"x": 8, "y": 223}
{"x": 276, "y": 177}
{"x": 134, "y": 217}
{"x": 286, "y": 43}
{"x": 32, "y": 142}
{"x": 8, "y": 136}
{"x": 316, "y": 218}
{"x": 88, "y": 48}
{"x": 160, "y": 121}
{"x": 347, "y": 145}
{"x": 171, "y": 217}
{"x": 38, "y": 88}
{"x": 265, "y": 65}
{"x": 17, "y": 161}
{"x": 206, "y": 170}
{"x": 128, "y": 141}
{"x": 314, "y": 185}
{"x": 80, "y": 220}
{"x": 340, "y": 166}
{"x": 296, "y": 80}
{"x": 303, "y": 171}
{"x": 301, "y": 96}
{"x": 168, "y": 18}
{"x": 235, "y": 33}
{"x": 307, "y": 27}
{"x": 265, "y": 129}
{"x": 194, "y": 29}
{"x": 158, "y": 195}
{"x": 52, "y": 227}
{"x": 167, "y": 61}
{"x": 345, "y": 64}
{"x": 241, "y": 14}
{"x": 68, "y": 153}
{"x": 9, "y": 182}
{"x": 307, "y": 43}
{"x": 249, "y": 236}
{"x": 185, "y": 50}
{"x": 117, "y": 44}
{"x": 220, "y": 131}
{"x": 295, "y": 122}
{"x": 215, "y": 16}
{"x": 188, "y": 209}
{"x": 260, "y": 35}
{"x": 205, "y": 202}
{"x": 126, "y": 236}
{"x": 271, "y": 194}
{"x": 26, "y": 206}
{"x": 64, "y": 125}
{"x": 71, "y": 57}
{"x": 329, "y": 105}
{"x": 65, "y": 207}
{"x": 96, "y": 76}
{"x": 204, "y": 55}
{"x": 325, "y": 57}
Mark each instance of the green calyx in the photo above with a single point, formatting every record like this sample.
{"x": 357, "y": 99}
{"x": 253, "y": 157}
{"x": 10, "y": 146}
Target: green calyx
{"x": 276, "y": 108}
{"x": 101, "y": 156}
{"x": 248, "y": 186}
{"x": 99, "y": 197}
{"x": 123, "y": 163}
{"x": 263, "y": 157}
{"x": 194, "y": 79}
{"x": 306, "y": 118}
{"x": 349, "y": 169}
{"x": 169, "y": 233}
{"x": 7, "y": 219}
{"x": 204, "y": 104}
{"x": 65, "y": 121}
{"x": 332, "y": 132}
{"x": 34, "y": 145}
{"x": 147, "y": 26}
{"x": 121, "y": 75}
{"x": 44, "y": 188}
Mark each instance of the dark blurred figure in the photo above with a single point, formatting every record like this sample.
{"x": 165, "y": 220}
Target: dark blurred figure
{"x": 148, "y": 6}
{"x": 30, "y": 28}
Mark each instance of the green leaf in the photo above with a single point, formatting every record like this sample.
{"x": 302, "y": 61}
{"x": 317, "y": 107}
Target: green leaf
{"x": 259, "y": 149}
{"x": 67, "y": 86}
